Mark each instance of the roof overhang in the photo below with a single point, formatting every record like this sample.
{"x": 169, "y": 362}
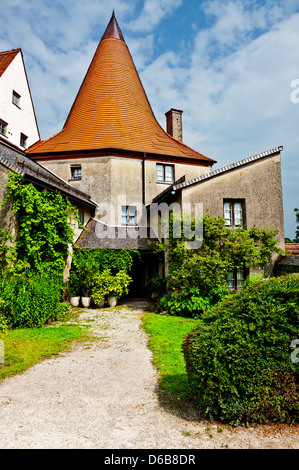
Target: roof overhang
{"x": 123, "y": 153}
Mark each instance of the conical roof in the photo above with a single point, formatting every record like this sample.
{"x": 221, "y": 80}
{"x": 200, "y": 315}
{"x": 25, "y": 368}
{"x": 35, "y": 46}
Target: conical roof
{"x": 111, "y": 110}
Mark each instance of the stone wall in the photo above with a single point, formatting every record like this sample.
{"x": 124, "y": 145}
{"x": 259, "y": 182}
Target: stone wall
{"x": 257, "y": 183}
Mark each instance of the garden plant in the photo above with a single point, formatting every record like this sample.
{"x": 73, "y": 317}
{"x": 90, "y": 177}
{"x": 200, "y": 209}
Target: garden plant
{"x": 238, "y": 358}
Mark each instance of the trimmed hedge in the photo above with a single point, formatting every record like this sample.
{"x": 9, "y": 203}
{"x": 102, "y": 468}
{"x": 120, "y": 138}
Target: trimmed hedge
{"x": 238, "y": 359}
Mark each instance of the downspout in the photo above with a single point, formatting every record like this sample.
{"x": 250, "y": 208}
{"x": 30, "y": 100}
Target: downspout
{"x": 143, "y": 178}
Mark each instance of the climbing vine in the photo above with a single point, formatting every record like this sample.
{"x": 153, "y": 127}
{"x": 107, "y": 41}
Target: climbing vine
{"x": 197, "y": 278}
{"x": 45, "y": 232}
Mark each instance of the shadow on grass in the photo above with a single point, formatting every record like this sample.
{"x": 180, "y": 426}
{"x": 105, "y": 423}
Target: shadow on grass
{"x": 178, "y": 401}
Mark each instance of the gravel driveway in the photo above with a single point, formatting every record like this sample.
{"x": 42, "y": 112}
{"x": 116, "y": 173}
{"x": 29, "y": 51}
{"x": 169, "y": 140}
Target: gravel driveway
{"x": 104, "y": 395}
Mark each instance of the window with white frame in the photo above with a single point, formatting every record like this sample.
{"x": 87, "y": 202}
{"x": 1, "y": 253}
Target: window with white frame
{"x": 16, "y": 98}
{"x": 234, "y": 213}
{"x": 3, "y": 127}
{"x": 164, "y": 173}
{"x": 235, "y": 279}
{"x": 128, "y": 215}
{"x": 76, "y": 172}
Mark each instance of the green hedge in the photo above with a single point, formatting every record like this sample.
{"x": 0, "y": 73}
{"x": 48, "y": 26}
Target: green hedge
{"x": 28, "y": 302}
{"x": 238, "y": 359}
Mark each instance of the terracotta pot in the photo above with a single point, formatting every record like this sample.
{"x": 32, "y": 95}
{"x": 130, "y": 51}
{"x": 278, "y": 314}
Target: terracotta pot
{"x": 74, "y": 301}
{"x": 85, "y": 301}
{"x": 112, "y": 301}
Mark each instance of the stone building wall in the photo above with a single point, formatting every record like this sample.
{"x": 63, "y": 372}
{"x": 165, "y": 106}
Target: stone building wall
{"x": 258, "y": 184}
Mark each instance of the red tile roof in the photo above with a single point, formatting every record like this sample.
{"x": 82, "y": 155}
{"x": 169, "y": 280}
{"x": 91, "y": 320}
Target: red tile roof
{"x": 292, "y": 248}
{"x": 6, "y": 58}
{"x": 111, "y": 110}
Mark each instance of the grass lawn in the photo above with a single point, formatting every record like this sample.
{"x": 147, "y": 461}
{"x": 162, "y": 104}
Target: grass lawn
{"x": 166, "y": 334}
{"x": 26, "y": 347}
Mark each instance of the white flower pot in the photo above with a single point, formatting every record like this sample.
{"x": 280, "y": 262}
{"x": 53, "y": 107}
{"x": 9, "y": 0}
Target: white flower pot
{"x": 112, "y": 301}
{"x": 74, "y": 301}
{"x": 85, "y": 301}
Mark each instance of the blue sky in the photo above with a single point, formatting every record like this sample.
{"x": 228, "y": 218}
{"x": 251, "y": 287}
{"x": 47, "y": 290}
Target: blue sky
{"x": 229, "y": 64}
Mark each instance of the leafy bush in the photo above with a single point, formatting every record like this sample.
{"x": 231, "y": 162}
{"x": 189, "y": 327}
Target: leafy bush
{"x": 87, "y": 263}
{"x": 101, "y": 285}
{"x": 157, "y": 286}
{"x": 28, "y": 302}
{"x": 5, "y": 239}
{"x": 238, "y": 359}
{"x": 191, "y": 303}
{"x": 3, "y": 321}
{"x": 197, "y": 278}
{"x": 107, "y": 283}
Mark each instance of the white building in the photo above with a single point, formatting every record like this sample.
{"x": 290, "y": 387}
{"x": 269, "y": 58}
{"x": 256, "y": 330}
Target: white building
{"x": 18, "y": 123}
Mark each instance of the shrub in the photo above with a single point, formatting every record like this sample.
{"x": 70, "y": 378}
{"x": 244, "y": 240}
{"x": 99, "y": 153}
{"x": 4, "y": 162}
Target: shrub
{"x": 157, "y": 286}
{"x": 31, "y": 301}
{"x": 195, "y": 275}
{"x": 101, "y": 284}
{"x": 238, "y": 359}
{"x": 191, "y": 302}
{"x": 87, "y": 263}
{"x": 107, "y": 283}
{"x": 3, "y": 321}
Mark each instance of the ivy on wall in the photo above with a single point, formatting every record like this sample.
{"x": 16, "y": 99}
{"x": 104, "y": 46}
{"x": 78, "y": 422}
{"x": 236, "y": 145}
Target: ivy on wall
{"x": 44, "y": 232}
{"x": 197, "y": 278}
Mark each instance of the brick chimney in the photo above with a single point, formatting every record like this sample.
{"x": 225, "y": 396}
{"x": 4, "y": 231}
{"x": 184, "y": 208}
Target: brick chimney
{"x": 174, "y": 123}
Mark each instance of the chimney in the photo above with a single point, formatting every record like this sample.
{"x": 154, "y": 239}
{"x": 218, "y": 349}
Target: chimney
{"x": 174, "y": 123}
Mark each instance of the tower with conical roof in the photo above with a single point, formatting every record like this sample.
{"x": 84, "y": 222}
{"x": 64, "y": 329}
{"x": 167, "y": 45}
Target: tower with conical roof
{"x": 111, "y": 142}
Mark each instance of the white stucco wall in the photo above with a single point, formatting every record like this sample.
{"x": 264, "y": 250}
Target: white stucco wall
{"x": 19, "y": 119}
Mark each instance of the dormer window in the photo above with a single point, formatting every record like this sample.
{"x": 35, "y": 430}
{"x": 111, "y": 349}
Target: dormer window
{"x": 23, "y": 140}
{"x": 16, "y": 98}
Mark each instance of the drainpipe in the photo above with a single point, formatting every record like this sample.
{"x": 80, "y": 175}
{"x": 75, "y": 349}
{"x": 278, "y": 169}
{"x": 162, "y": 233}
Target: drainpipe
{"x": 143, "y": 178}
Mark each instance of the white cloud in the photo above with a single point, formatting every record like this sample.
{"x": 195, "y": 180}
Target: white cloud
{"x": 236, "y": 90}
{"x": 152, "y": 13}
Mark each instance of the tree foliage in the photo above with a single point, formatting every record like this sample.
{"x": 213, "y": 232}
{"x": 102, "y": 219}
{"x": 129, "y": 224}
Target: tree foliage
{"x": 197, "y": 278}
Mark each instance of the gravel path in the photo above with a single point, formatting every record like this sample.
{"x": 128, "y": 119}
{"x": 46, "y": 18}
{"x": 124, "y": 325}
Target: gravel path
{"x": 104, "y": 395}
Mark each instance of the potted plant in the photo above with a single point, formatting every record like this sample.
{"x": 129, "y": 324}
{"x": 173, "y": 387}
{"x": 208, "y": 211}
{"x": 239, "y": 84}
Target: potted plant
{"x": 84, "y": 270}
{"x": 119, "y": 285}
{"x": 74, "y": 289}
{"x": 100, "y": 287}
{"x": 86, "y": 286}
{"x": 74, "y": 300}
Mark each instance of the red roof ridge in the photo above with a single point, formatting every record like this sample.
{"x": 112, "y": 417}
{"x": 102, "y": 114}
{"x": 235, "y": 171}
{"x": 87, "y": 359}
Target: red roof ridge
{"x": 6, "y": 57}
{"x": 18, "y": 49}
